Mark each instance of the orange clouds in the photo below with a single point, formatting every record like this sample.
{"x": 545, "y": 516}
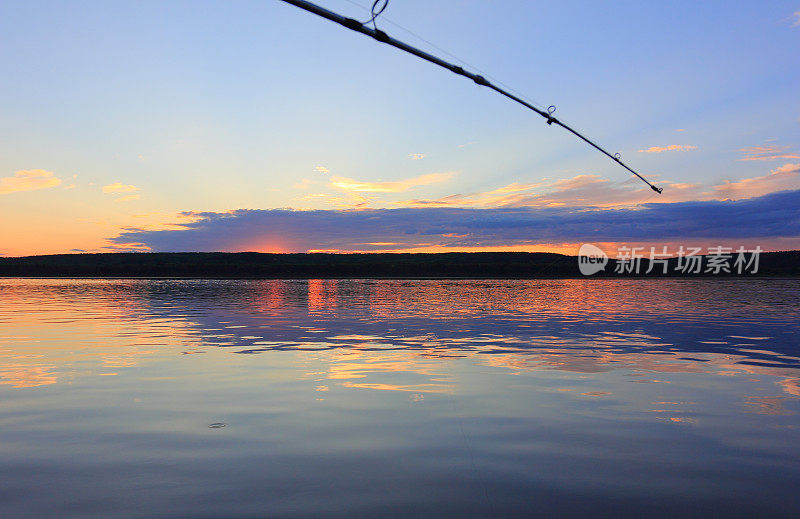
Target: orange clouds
{"x": 596, "y": 191}
{"x": 28, "y": 180}
{"x": 767, "y": 152}
{"x": 303, "y": 184}
{"x": 671, "y": 147}
{"x": 780, "y": 179}
{"x": 515, "y": 187}
{"x": 348, "y": 184}
{"x": 581, "y": 190}
{"x": 118, "y": 187}
{"x": 128, "y": 198}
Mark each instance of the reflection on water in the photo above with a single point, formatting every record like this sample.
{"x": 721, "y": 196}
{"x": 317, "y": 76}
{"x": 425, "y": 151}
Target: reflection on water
{"x": 406, "y": 398}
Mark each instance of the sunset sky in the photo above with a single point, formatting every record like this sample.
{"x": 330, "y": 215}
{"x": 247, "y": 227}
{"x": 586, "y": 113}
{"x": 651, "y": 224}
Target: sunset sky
{"x": 254, "y": 126}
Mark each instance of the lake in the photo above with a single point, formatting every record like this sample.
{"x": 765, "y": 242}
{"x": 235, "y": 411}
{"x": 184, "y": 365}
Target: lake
{"x": 399, "y": 398}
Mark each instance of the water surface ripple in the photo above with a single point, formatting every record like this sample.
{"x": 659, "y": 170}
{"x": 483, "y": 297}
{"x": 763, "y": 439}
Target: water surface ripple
{"x": 399, "y": 398}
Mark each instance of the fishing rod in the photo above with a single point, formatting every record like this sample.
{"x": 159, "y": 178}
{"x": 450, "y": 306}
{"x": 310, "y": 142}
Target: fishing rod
{"x": 382, "y": 37}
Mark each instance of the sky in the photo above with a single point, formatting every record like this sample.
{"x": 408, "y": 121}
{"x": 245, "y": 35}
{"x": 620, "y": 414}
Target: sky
{"x": 255, "y": 126}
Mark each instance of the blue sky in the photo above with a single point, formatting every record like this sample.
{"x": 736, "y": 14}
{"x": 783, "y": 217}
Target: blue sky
{"x": 120, "y": 116}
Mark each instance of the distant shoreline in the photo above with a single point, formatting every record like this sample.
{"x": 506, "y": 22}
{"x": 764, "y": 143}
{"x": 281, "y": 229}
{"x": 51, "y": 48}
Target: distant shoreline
{"x": 454, "y": 265}
{"x": 396, "y": 278}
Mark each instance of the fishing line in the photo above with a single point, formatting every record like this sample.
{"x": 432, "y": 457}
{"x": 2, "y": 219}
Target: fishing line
{"x": 377, "y": 13}
{"x": 382, "y": 37}
{"x": 451, "y": 55}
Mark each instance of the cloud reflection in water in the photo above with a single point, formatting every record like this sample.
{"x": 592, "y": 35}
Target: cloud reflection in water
{"x": 455, "y": 398}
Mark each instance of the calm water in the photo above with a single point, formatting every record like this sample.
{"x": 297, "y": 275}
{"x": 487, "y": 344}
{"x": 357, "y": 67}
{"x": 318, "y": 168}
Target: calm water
{"x": 159, "y": 398}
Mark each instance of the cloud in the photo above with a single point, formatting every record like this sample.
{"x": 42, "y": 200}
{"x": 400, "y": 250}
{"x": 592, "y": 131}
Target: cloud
{"x": 128, "y": 198}
{"x": 118, "y": 187}
{"x": 322, "y": 169}
{"x": 303, "y": 184}
{"x": 581, "y": 190}
{"x": 770, "y": 216}
{"x": 515, "y": 187}
{"x": 767, "y": 152}
{"x": 28, "y": 180}
{"x": 596, "y": 191}
{"x": 782, "y": 178}
{"x": 348, "y": 184}
{"x": 796, "y": 22}
{"x": 348, "y": 201}
{"x": 416, "y": 156}
{"x": 671, "y": 147}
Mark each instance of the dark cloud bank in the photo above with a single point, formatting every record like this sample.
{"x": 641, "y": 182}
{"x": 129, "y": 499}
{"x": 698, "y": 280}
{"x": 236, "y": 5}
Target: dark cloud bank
{"x": 769, "y": 216}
